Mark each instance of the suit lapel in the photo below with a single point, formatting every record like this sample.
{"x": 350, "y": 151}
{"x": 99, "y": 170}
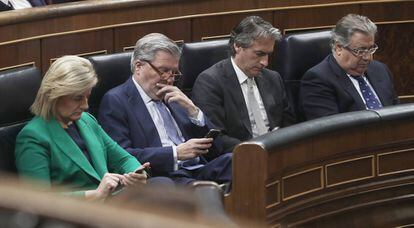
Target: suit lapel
{"x": 346, "y": 82}
{"x": 236, "y": 94}
{"x": 377, "y": 84}
{"x": 4, "y": 7}
{"x": 265, "y": 91}
{"x": 95, "y": 149}
{"x": 69, "y": 147}
{"x": 142, "y": 115}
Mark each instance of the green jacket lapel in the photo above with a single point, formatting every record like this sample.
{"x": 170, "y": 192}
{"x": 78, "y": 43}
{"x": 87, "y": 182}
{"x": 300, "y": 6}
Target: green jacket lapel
{"x": 69, "y": 147}
{"x": 94, "y": 146}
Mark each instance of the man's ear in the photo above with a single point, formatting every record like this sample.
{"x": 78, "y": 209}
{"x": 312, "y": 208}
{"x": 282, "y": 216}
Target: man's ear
{"x": 237, "y": 49}
{"x": 138, "y": 65}
{"x": 337, "y": 47}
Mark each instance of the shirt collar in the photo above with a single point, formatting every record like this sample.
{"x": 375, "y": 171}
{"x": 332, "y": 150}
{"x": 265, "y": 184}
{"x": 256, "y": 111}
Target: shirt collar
{"x": 241, "y": 76}
{"x": 352, "y": 76}
{"x": 141, "y": 91}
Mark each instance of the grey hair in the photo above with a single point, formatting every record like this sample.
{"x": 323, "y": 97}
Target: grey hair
{"x": 350, "y": 24}
{"x": 250, "y": 29}
{"x": 147, "y": 47}
{"x": 68, "y": 75}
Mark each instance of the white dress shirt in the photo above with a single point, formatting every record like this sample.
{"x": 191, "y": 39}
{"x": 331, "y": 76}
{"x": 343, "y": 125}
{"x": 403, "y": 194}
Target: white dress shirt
{"x": 242, "y": 77}
{"x": 18, "y": 4}
{"x": 159, "y": 123}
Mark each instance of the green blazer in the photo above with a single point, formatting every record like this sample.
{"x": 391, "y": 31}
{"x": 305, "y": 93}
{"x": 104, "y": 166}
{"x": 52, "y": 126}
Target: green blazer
{"x": 44, "y": 151}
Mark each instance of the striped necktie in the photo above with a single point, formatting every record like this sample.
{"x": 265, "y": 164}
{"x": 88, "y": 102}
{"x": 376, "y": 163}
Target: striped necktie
{"x": 168, "y": 123}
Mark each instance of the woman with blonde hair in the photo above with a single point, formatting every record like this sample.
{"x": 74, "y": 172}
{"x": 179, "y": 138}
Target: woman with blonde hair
{"x": 64, "y": 145}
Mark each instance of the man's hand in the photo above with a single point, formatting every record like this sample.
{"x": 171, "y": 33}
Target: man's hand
{"x": 193, "y": 148}
{"x": 174, "y": 94}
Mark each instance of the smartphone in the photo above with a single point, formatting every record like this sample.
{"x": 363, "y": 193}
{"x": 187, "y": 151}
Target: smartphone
{"x": 143, "y": 169}
{"x": 213, "y": 133}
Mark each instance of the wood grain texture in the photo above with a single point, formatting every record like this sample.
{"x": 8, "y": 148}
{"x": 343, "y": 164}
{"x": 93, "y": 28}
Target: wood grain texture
{"x": 345, "y": 171}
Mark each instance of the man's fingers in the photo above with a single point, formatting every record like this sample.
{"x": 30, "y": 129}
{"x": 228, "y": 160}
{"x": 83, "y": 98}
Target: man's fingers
{"x": 200, "y": 152}
{"x": 202, "y": 140}
{"x": 164, "y": 88}
{"x": 203, "y": 146}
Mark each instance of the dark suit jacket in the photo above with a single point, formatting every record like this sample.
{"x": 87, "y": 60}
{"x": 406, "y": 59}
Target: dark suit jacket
{"x": 327, "y": 90}
{"x": 4, "y": 7}
{"x": 218, "y": 93}
{"x": 44, "y": 151}
{"x": 126, "y": 119}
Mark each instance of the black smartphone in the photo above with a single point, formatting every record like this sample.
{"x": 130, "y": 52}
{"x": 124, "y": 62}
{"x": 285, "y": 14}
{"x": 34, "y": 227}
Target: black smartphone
{"x": 143, "y": 169}
{"x": 213, "y": 133}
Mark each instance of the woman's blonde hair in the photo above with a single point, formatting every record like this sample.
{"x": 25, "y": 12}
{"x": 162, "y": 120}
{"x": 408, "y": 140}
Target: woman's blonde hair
{"x": 68, "y": 75}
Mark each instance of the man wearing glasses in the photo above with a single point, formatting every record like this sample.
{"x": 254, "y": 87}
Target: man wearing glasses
{"x": 155, "y": 122}
{"x": 348, "y": 79}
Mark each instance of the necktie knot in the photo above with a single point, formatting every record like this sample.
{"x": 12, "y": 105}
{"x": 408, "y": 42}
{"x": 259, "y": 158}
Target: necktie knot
{"x": 359, "y": 78}
{"x": 250, "y": 82}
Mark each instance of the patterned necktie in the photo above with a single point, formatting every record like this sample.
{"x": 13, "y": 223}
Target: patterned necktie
{"x": 168, "y": 123}
{"x": 172, "y": 133}
{"x": 371, "y": 101}
{"x": 254, "y": 106}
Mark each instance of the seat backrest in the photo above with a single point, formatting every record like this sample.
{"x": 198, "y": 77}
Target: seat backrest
{"x": 296, "y": 53}
{"x": 198, "y": 56}
{"x": 112, "y": 70}
{"x": 18, "y": 89}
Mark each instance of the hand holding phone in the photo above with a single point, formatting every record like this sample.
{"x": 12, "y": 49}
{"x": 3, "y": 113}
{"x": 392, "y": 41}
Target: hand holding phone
{"x": 213, "y": 133}
{"x": 144, "y": 168}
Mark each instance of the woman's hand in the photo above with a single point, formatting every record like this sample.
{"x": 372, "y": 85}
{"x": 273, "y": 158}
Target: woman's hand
{"x": 108, "y": 184}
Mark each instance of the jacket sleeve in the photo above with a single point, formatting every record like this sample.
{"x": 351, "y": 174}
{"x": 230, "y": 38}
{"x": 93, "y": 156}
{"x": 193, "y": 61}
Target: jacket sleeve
{"x": 33, "y": 156}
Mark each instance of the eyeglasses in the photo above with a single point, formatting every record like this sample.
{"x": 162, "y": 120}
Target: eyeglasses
{"x": 360, "y": 52}
{"x": 176, "y": 75}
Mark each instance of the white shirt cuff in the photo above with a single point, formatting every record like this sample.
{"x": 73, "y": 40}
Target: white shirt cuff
{"x": 199, "y": 121}
{"x": 175, "y": 158}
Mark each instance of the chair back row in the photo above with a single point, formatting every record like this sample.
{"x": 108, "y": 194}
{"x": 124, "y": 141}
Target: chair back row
{"x": 296, "y": 53}
{"x": 18, "y": 88}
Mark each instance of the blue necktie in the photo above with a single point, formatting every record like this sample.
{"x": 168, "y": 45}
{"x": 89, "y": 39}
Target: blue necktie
{"x": 371, "y": 101}
{"x": 172, "y": 133}
{"x": 168, "y": 123}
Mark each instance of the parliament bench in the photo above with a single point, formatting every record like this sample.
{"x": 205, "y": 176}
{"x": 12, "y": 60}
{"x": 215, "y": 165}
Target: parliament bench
{"x": 340, "y": 170}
